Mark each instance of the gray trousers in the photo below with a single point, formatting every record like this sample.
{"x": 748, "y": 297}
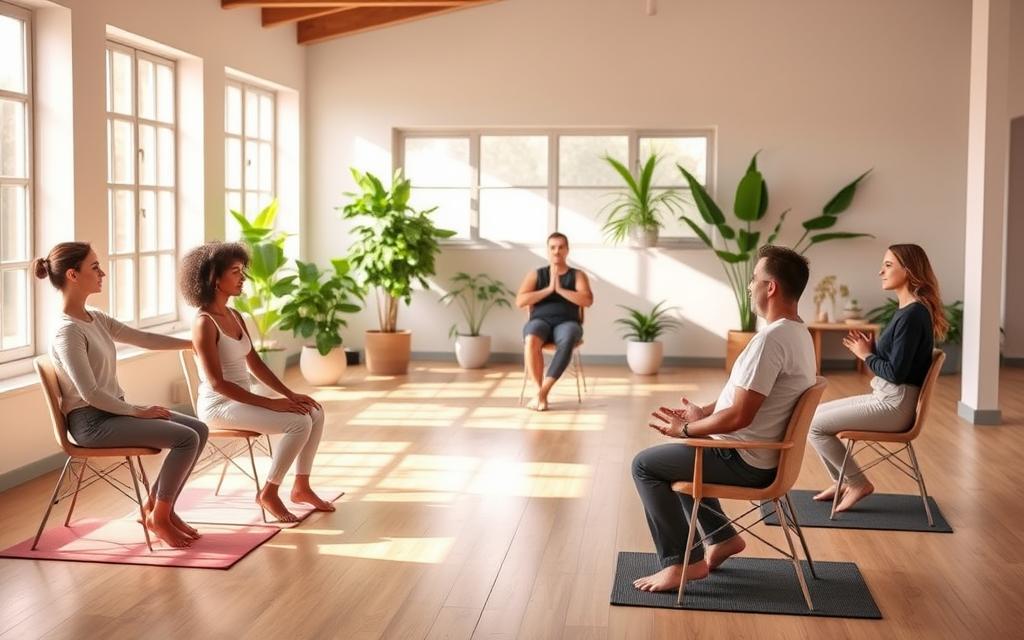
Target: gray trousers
{"x": 890, "y": 408}
{"x": 564, "y": 334}
{"x": 668, "y": 512}
{"x": 183, "y": 436}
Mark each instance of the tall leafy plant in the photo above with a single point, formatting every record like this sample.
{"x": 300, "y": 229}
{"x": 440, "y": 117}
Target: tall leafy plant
{"x": 637, "y": 207}
{"x": 477, "y": 296}
{"x": 737, "y": 246}
{"x": 318, "y": 302}
{"x": 267, "y": 284}
{"x": 394, "y": 244}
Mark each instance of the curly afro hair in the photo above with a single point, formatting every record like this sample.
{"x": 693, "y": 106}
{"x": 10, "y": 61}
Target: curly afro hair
{"x": 203, "y": 266}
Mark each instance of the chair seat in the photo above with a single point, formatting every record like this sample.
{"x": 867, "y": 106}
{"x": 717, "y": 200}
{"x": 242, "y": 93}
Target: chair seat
{"x": 731, "y": 492}
{"x": 877, "y": 436}
{"x": 109, "y": 452}
{"x": 551, "y": 346}
{"x": 233, "y": 433}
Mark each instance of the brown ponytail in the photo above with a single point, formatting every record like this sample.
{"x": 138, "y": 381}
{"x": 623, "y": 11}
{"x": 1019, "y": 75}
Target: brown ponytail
{"x": 923, "y": 284}
{"x": 64, "y": 256}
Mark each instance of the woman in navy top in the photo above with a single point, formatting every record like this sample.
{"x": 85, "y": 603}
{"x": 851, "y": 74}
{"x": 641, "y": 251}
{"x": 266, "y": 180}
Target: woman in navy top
{"x": 900, "y": 362}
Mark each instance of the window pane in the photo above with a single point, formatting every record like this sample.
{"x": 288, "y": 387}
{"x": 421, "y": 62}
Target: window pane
{"x": 581, "y": 160}
{"x": 149, "y": 280}
{"x": 167, "y": 285}
{"x": 232, "y": 202}
{"x": 453, "y": 208}
{"x": 165, "y": 145}
{"x": 122, "y": 203}
{"x": 438, "y": 162}
{"x": 148, "y": 217}
{"x": 12, "y": 54}
{"x": 15, "y": 312}
{"x": 123, "y": 290}
{"x": 147, "y": 155}
{"x": 122, "y": 142}
{"x": 13, "y": 223}
{"x": 252, "y": 164}
{"x": 121, "y": 77}
{"x": 13, "y": 139}
{"x": 167, "y": 235}
{"x": 676, "y": 228}
{"x": 164, "y": 93}
{"x": 266, "y": 117}
{"x": 266, "y": 168}
{"x": 517, "y": 161}
{"x": 580, "y": 214}
{"x": 147, "y": 90}
{"x": 252, "y": 114}
{"x": 252, "y": 203}
{"x": 691, "y": 153}
{"x": 233, "y": 110}
{"x": 233, "y": 163}
{"x": 514, "y": 215}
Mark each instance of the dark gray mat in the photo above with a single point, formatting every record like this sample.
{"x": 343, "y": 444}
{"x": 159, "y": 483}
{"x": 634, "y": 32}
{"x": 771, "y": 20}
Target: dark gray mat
{"x": 753, "y": 585}
{"x": 879, "y": 511}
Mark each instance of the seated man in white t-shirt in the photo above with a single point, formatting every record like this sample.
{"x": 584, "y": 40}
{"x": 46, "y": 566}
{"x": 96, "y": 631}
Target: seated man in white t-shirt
{"x": 768, "y": 378}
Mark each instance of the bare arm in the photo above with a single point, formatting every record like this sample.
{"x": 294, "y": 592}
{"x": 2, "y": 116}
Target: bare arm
{"x": 738, "y": 416}
{"x": 582, "y": 296}
{"x": 204, "y": 335}
{"x": 529, "y": 295}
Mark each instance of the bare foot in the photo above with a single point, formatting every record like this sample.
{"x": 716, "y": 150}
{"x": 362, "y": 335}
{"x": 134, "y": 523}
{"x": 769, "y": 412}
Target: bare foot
{"x": 668, "y": 579}
{"x": 191, "y": 532}
{"x": 826, "y": 494}
{"x": 853, "y": 495}
{"x": 167, "y": 532}
{"x": 273, "y": 504}
{"x": 537, "y": 404}
{"x": 719, "y": 553}
{"x": 306, "y": 496}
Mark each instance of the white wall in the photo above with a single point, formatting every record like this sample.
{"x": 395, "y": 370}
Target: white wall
{"x": 826, "y": 89}
{"x": 209, "y": 40}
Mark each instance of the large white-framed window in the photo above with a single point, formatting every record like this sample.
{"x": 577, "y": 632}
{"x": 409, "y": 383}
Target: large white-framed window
{"x": 515, "y": 186}
{"x": 17, "y": 335}
{"x": 249, "y": 152}
{"x": 141, "y": 192}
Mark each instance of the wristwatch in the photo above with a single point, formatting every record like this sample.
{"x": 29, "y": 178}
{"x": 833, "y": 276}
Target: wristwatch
{"x": 686, "y": 432}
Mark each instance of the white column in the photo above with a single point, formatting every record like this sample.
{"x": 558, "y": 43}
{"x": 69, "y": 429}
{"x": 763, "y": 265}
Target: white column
{"x": 987, "y": 148}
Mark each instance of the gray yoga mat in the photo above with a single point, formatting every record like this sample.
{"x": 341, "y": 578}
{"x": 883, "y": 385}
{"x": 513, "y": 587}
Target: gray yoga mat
{"x": 879, "y": 511}
{"x": 753, "y": 585}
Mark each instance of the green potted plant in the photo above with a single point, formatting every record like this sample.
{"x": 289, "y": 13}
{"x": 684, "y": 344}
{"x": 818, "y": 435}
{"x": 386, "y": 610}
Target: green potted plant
{"x": 644, "y": 352}
{"x": 315, "y": 311}
{"x": 476, "y": 296}
{"x": 736, "y": 246}
{"x": 394, "y": 246}
{"x": 952, "y": 345}
{"x": 267, "y": 283}
{"x": 636, "y": 212}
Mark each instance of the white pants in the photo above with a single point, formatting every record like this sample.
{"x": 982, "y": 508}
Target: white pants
{"x": 890, "y": 408}
{"x": 301, "y": 433}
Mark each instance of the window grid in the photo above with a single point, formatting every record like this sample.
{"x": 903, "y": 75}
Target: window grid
{"x": 17, "y": 333}
{"x": 255, "y": 161}
{"x": 142, "y": 270}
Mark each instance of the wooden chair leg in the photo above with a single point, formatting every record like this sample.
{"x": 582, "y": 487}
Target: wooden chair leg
{"x": 686, "y": 554}
{"x": 799, "y": 533}
{"x": 839, "y": 480}
{"x": 793, "y": 557}
{"x": 78, "y": 487}
{"x": 256, "y": 478}
{"x": 138, "y": 496}
{"x": 50, "y": 503}
{"x": 920, "y": 485}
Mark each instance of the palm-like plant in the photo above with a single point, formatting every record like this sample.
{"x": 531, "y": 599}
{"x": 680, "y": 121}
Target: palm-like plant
{"x": 637, "y": 207}
{"x": 647, "y": 327}
{"x": 477, "y": 296}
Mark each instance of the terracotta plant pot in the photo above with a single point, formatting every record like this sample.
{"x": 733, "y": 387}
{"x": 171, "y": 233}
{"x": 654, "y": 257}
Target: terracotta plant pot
{"x": 319, "y": 370}
{"x": 736, "y": 343}
{"x": 387, "y": 354}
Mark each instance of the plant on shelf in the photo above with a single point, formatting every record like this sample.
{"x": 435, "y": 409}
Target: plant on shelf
{"x": 318, "y": 302}
{"x": 637, "y": 211}
{"x": 828, "y": 287}
{"x": 644, "y": 352}
{"x": 476, "y": 296}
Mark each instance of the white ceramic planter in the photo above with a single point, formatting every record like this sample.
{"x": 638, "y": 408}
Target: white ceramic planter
{"x": 321, "y": 371}
{"x": 644, "y": 358}
{"x": 643, "y": 238}
{"x": 472, "y": 351}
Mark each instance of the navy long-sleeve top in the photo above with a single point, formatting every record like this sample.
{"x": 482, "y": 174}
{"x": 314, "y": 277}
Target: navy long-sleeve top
{"x": 903, "y": 352}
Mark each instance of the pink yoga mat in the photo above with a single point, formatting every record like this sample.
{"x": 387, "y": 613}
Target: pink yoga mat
{"x": 237, "y": 507}
{"x": 121, "y": 541}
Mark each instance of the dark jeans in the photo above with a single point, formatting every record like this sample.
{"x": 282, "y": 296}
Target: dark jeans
{"x": 668, "y": 512}
{"x": 564, "y": 334}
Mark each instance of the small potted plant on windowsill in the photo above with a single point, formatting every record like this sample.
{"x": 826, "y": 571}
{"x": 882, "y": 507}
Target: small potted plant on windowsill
{"x": 477, "y": 296}
{"x": 644, "y": 352}
{"x": 636, "y": 212}
{"x": 315, "y": 311}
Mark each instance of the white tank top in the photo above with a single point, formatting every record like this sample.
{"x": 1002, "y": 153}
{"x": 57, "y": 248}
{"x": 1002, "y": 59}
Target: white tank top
{"x": 233, "y": 352}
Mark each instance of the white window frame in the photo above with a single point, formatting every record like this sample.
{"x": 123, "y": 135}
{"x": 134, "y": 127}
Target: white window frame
{"x": 136, "y": 255}
{"x": 244, "y": 137}
{"x": 25, "y": 351}
{"x": 400, "y": 135}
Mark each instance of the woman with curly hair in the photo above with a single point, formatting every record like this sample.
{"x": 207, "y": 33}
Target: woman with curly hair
{"x": 85, "y": 359}
{"x": 210, "y": 275}
{"x": 900, "y": 362}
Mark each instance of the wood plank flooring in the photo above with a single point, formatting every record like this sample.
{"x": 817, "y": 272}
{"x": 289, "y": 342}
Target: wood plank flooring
{"x": 468, "y": 517}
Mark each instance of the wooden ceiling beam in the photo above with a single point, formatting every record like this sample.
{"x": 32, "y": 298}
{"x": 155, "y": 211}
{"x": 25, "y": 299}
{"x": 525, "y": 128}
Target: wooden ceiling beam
{"x": 367, "y": 19}
{"x": 274, "y": 17}
{"x": 338, "y": 4}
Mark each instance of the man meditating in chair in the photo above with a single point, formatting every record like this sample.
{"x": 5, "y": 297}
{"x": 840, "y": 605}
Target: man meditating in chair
{"x": 554, "y": 295}
{"x": 755, "y": 405}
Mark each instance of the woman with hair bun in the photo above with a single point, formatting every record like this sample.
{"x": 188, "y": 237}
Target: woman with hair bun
{"x": 85, "y": 360}
{"x": 900, "y": 362}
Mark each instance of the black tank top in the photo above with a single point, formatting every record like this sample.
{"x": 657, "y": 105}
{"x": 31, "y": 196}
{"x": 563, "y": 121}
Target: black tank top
{"x": 555, "y": 308}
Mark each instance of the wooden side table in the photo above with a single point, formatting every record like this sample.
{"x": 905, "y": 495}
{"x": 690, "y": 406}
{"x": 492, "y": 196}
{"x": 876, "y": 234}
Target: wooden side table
{"x": 818, "y": 328}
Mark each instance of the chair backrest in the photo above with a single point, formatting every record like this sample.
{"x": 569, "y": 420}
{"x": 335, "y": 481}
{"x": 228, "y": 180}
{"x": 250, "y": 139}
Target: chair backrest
{"x": 191, "y": 371}
{"x": 51, "y": 391}
{"x": 799, "y": 426}
{"x": 924, "y": 398}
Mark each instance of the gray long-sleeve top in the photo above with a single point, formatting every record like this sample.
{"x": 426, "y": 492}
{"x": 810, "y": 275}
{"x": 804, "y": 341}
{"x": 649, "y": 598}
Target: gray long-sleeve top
{"x": 85, "y": 358}
{"x": 903, "y": 353}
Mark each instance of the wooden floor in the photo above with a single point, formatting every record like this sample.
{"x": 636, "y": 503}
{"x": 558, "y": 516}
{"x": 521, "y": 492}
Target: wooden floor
{"x": 469, "y": 517}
